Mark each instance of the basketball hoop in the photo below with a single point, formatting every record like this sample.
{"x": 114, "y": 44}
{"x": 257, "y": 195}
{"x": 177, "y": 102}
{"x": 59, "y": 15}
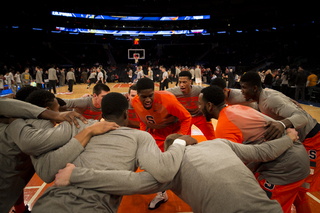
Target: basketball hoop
{"x": 136, "y": 58}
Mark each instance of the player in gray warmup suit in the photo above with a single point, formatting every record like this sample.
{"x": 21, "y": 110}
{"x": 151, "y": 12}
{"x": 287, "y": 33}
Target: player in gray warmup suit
{"x": 124, "y": 148}
{"x": 212, "y": 177}
{"x": 16, "y": 168}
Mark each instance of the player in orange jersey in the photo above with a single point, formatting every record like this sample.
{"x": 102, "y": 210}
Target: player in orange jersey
{"x": 280, "y": 178}
{"x": 188, "y": 96}
{"x": 161, "y": 114}
{"x": 89, "y": 107}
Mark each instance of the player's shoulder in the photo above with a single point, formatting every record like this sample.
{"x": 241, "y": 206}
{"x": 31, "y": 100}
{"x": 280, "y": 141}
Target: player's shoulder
{"x": 175, "y": 90}
{"x": 164, "y": 94}
{"x": 272, "y": 95}
{"x": 165, "y": 98}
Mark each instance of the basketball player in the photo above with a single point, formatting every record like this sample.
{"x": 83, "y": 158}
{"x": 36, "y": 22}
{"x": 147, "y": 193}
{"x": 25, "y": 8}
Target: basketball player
{"x": 161, "y": 114}
{"x": 89, "y": 107}
{"x": 211, "y": 177}
{"x": 281, "y": 178}
{"x": 287, "y": 115}
{"x": 124, "y": 148}
{"x": 16, "y": 168}
{"x": 133, "y": 121}
{"x": 188, "y": 96}
{"x": 233, "y": 96}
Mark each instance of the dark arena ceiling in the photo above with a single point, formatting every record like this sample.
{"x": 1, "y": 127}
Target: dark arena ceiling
{"x": 225, "y": 15}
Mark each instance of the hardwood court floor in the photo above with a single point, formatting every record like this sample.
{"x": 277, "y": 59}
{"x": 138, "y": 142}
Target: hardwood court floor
{"x": 139, "y": 203}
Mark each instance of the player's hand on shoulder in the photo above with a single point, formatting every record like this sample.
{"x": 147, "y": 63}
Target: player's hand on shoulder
{"x": 274, "y": 130}
{"x": 188, "y": 139}
{"x": 70, "y": 116}
{"x": 102, "y": 127}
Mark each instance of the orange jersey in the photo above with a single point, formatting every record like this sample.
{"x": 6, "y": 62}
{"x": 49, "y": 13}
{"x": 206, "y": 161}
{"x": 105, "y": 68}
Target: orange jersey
{"x": 166, "y": 110}
{"x": 92, "y": 114}
{"x": 239, "y": 123}
{"x": 134, "y": 121}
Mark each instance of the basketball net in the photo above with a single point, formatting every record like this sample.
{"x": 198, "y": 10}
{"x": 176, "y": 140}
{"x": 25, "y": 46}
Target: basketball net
{"x": 136, "y": 59}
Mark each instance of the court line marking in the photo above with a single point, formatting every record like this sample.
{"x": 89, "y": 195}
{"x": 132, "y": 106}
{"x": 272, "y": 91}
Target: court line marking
{"x": 36, "y": 194}
{"x": 32, "y": 187}
{"x": 313, "y": 197}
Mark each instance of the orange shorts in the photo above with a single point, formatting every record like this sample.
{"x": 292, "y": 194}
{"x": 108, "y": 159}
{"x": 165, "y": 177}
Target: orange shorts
{"x": 205, "y": 127}
{"x": 284, "y": 194}
{"x": 312, "y": 146}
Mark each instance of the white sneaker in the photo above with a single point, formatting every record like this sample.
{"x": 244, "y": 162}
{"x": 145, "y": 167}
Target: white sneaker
{"x": 161, "y": 197}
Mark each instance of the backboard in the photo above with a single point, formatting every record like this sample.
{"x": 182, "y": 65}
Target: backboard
{"x": 132, "y": 52}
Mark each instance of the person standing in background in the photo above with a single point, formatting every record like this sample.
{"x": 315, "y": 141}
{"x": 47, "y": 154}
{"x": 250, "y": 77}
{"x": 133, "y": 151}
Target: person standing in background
{"x": 8, "y": 80}
{"x": 311, "y": 83}
{"x": 100, "y": 76}
{"x": 300, "y": 81}
{"x": 92, "y": 78}
{"x": 164, "y": 79}
{"x": 70, "y": 79}
{"x": 26, "y": 77}
{"x": 177, "y": 75}
{"x": 268, "y": 79}
{"x": 150, "y": 73}
{"x": 62, "y": 77}
{"x": 84, "y": 75}
{"x": 17, "y": 78}
{"x": 39, "y": 80}
{"x": 192, "y": 74}
{"x": 197, "y": 75}
{"x": 53, "y": 79}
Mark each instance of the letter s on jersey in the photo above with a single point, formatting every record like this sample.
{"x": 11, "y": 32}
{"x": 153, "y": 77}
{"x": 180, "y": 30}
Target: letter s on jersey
{"x": 150, "y": 119}
{"x": 312, "y": 154}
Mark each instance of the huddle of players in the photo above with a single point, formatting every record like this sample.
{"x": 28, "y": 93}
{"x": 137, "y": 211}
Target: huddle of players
{"x": 162, "y": 113}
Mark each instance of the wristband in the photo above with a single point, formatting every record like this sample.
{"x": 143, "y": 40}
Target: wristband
{"x": 284, "y": 126}
{"x": 180, "y": 141}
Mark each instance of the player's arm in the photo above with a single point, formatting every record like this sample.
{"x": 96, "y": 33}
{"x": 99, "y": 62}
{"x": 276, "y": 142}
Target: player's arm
{"x": 294, "y": 117}
{"x": 15, "y": 108}
{"x": 117, "y": 182}
{"x": 266, "y": 151}
{"x": 49, "y": 163}
{"x": 175, "y": 108}
{"x": 79, "y": 104}
{"x": 163, "y": 166}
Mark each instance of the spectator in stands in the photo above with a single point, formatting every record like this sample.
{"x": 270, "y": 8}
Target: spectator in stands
{"x": 276, "y": 83}
{"x": 312, "y": 82}
{"x": 284, "y": 78}
{"x": 301, "y": 80}
{"x": 292, "y": 77}
{"x": 231, "y": 79}
{"x": 268, "y": 79}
